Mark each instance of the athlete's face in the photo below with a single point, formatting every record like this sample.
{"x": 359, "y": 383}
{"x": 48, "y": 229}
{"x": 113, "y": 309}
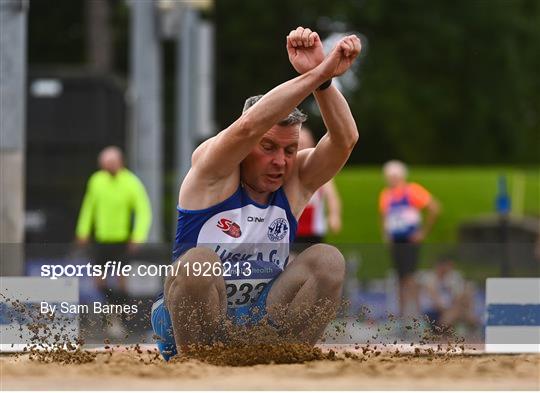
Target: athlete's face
{"x": 269, "y": 164}
{"x": 394, "y": 179}
{"x": 395, "y": 174}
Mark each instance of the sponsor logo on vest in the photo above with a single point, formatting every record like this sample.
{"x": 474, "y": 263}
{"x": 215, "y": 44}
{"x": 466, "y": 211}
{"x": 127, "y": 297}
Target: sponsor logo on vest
{"x": 278, "y": 229}
{"x": 229, "y": 227}
{"x": 273, "y": 256}
{"x": 255, "y": 219}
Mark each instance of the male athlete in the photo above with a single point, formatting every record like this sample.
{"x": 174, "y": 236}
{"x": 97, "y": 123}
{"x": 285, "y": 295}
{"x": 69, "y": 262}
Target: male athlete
{"x": 238, "y": 208}
{"x": 400, "y": 206}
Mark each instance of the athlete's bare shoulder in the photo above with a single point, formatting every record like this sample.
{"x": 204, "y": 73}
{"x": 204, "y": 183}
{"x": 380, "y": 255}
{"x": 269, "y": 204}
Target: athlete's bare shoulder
{"x": 201, "y": 189}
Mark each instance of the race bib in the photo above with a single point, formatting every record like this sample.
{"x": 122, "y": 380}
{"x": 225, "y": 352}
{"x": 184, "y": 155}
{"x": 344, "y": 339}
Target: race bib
{"x": 402, "y": 220}
{"x": 245, "y": 285}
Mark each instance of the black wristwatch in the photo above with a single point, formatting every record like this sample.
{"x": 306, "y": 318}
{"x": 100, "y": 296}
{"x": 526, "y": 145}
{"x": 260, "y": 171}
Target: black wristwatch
{"x": 325, "y": 85}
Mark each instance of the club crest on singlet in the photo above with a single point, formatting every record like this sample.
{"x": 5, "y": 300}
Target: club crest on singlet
{"x": 278, "y": 229}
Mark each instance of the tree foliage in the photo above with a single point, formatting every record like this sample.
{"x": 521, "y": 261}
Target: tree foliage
{"x": 442, "y": 82}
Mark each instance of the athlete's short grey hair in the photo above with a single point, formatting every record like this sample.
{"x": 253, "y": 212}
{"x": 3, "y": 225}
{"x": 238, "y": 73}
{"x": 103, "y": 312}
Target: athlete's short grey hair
{"x": 295, "y": 117}
{"x": 395, "y": 168}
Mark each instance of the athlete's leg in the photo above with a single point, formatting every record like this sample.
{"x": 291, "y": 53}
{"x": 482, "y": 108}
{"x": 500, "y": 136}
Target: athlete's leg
{"x": 405, "y": 257}
{"x": 305, "y": 297}
{"x": 408, "y": 296}
{"x": 197, "y": 304}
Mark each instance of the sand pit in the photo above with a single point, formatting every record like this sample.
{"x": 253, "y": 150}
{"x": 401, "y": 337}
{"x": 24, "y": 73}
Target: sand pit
{"x": 141, "y": 369}
{"x": 259, "y": 357}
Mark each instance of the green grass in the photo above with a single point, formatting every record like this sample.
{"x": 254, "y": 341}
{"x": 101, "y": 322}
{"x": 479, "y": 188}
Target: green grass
{"x": 464, "y": 193}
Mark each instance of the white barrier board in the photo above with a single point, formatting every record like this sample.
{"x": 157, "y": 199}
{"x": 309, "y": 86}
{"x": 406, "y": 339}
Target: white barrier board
{"x": 513, "y": 315}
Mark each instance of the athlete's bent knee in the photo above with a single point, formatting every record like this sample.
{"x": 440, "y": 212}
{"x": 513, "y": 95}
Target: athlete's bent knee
{"x": 326, "y": 263}
{"x": 195, "y": 273}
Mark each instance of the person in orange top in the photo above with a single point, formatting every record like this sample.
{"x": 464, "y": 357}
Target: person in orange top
{"x": 401, "y": 205}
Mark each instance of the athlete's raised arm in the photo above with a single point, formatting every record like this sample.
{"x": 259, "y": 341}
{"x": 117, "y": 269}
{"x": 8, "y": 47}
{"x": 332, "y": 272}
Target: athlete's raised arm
{"x": 214, "y": 173}
{"x": 220, "y": 156}
{"x": 318, "y": 165}
{"x": 335, "y": 147}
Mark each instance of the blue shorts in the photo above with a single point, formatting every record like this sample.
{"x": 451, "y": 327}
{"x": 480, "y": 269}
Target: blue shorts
{"x": 162, "y": 324}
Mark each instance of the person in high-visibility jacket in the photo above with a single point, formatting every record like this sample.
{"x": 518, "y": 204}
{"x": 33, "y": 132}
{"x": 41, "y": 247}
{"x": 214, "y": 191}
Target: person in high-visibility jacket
{"x": 115, "y": 212}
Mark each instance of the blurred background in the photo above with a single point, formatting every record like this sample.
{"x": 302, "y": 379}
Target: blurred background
{"x": 452, "y": 89}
